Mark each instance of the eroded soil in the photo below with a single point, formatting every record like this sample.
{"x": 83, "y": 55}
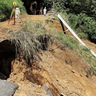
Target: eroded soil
{"x": 61, "y": 71}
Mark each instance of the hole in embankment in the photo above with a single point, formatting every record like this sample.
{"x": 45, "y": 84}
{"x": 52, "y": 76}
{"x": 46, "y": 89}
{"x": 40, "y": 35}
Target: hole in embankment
{"x": 9, "y": 52}
{"x": 7, "y": 55}
{"x": 36, "y": 6}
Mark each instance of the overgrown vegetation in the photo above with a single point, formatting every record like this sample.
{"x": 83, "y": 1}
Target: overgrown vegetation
{"x": 81, "y": 14}
{"x": 6, "y": 7}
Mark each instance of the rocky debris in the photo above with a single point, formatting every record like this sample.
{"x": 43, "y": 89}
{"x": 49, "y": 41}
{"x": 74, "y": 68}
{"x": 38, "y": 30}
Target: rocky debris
{"x": 48, "y": 91}
{"x": 7, "y": 88}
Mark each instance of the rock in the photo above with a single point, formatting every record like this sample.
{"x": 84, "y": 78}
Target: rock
{"x": 73, "y": 71}
{"x": 48, "y": 91}
{"x": 7, "y": 88}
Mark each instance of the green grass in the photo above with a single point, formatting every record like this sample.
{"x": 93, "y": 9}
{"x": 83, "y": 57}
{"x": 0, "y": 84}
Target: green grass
{"x": 66, "y": 40}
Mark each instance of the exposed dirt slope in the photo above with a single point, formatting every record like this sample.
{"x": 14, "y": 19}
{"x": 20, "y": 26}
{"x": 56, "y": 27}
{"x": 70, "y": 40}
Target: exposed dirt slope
{"x": 60, "y": 71}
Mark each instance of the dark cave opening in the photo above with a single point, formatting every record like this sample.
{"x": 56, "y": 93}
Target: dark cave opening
{"x": 7, "y": 55}
{"x": 33, "y": 6}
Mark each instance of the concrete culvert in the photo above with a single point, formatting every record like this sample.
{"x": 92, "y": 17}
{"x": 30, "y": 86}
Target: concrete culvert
{"x": 7, "y": 54}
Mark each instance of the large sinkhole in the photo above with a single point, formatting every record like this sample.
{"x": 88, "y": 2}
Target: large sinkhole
{"x": 36, "y": 6}
{"x": 7, "y": 55}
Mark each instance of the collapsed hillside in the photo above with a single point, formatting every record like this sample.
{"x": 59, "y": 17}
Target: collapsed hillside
{"x": 59, "y": 71}
{"x": 57, "y": 68}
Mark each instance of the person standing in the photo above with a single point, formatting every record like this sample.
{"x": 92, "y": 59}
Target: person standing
{"x": 44, "y": 11}
{"x": 17, "y": 12}
{"x": 13, "y": 13}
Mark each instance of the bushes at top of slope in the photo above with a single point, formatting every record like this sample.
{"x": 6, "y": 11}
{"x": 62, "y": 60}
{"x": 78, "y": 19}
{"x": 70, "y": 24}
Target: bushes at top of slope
{"x": 84, "y": 25}
{"x": 6, "y": 8}
{"x": 81, "y": 6}
{"x": 82, "y": 16}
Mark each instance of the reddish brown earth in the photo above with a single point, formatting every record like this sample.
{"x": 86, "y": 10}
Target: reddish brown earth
{"x": 62, "y": 71}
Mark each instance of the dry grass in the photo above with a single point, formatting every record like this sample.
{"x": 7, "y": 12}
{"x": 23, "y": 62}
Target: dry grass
{"x": 29, "y": 39}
